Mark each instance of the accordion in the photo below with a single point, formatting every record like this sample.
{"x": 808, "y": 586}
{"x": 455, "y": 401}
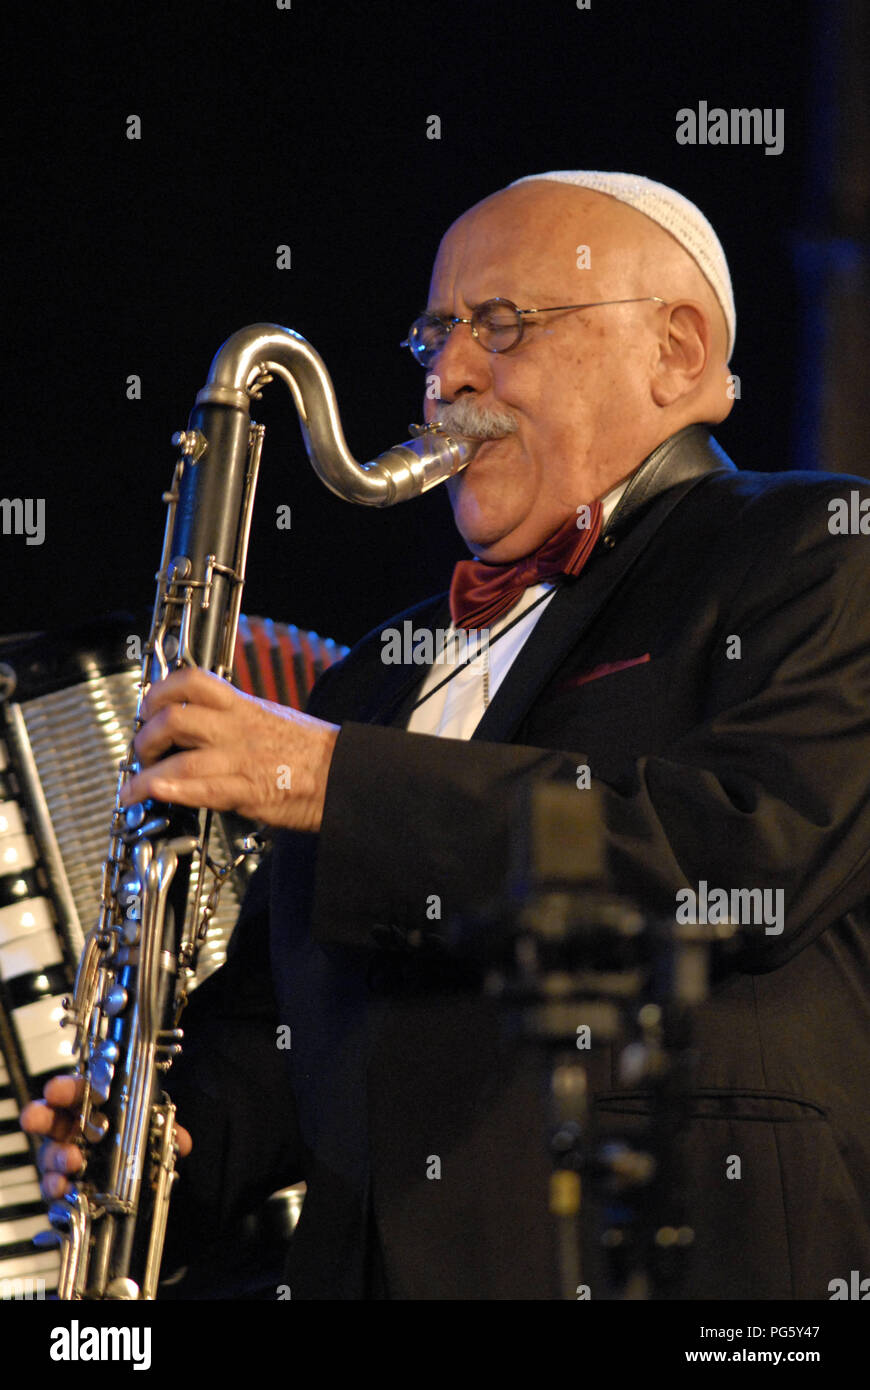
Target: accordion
{"x": 67, "y": 707}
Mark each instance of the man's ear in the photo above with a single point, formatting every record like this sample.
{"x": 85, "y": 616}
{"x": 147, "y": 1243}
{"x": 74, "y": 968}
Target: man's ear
{"x": 683, "y": 351}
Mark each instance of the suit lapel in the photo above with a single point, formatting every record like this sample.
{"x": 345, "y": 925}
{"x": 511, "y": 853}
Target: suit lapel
{"x": 569, "y": 614}
{"x": 566, "y": 617}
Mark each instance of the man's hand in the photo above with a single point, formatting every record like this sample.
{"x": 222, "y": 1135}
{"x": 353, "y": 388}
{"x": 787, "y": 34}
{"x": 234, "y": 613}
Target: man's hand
{"x": 56, "y": 1117}
{"x": 265, "y": 761}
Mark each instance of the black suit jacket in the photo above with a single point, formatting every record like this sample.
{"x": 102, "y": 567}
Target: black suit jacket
{"x": 743, "y": 764}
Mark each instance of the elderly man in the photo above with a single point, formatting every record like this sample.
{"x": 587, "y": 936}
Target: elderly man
{"x": 700, "y": 643}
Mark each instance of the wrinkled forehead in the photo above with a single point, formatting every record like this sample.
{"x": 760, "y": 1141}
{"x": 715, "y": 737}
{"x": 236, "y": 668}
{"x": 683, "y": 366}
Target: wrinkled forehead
{"x": 532, "y": 243}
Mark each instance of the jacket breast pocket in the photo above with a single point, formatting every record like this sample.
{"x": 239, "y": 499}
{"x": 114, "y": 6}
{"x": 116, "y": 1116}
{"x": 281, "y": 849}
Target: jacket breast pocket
{"x": 614, "y": 714}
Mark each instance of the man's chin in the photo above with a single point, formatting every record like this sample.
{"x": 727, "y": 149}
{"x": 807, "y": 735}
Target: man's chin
{"x": 488, "y": 537}
{"x": 496, "y": 536}
{"x": 489, "y": 497}
{"x": 487, "y": 470}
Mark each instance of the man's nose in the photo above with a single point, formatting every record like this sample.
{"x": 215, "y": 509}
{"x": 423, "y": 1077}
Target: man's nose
{"x": 461, "y": 365}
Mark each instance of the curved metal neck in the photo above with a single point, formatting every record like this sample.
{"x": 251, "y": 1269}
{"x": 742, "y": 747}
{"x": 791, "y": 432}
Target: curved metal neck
{"x": 256, "y": 354}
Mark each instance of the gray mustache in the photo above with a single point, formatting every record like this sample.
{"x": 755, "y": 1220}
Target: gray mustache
{"x": 476, "y": 421}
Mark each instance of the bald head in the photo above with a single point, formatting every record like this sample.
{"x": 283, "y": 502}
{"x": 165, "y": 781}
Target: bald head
{"x": 589, "y": 393}
{"x": 670, "y": 210}
{"x": 629, "y": 254}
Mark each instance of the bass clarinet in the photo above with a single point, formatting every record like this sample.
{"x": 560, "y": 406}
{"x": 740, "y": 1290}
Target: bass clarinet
{"x": 138, "y": 960}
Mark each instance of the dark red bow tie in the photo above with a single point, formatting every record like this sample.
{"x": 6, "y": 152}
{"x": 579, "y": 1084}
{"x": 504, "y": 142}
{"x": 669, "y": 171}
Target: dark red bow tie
{"x": 480, "y": 594}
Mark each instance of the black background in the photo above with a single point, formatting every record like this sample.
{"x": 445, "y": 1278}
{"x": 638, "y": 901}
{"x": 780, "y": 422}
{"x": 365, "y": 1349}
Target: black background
{"x": 307, "y": 126}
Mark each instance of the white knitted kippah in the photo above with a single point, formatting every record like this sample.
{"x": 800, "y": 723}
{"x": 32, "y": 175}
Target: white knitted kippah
{"x": 672, "y": 211}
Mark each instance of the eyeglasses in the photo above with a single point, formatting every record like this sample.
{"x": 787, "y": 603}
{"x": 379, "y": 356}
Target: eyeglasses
{"x": 497, "y": 325}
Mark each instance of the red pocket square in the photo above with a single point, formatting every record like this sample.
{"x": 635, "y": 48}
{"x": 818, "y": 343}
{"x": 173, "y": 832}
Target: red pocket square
{"x": 606, "y": 669}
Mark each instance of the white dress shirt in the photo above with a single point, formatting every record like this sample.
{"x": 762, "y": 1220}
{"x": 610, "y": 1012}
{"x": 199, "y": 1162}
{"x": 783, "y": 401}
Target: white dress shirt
{"x": 457, "y": 709}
